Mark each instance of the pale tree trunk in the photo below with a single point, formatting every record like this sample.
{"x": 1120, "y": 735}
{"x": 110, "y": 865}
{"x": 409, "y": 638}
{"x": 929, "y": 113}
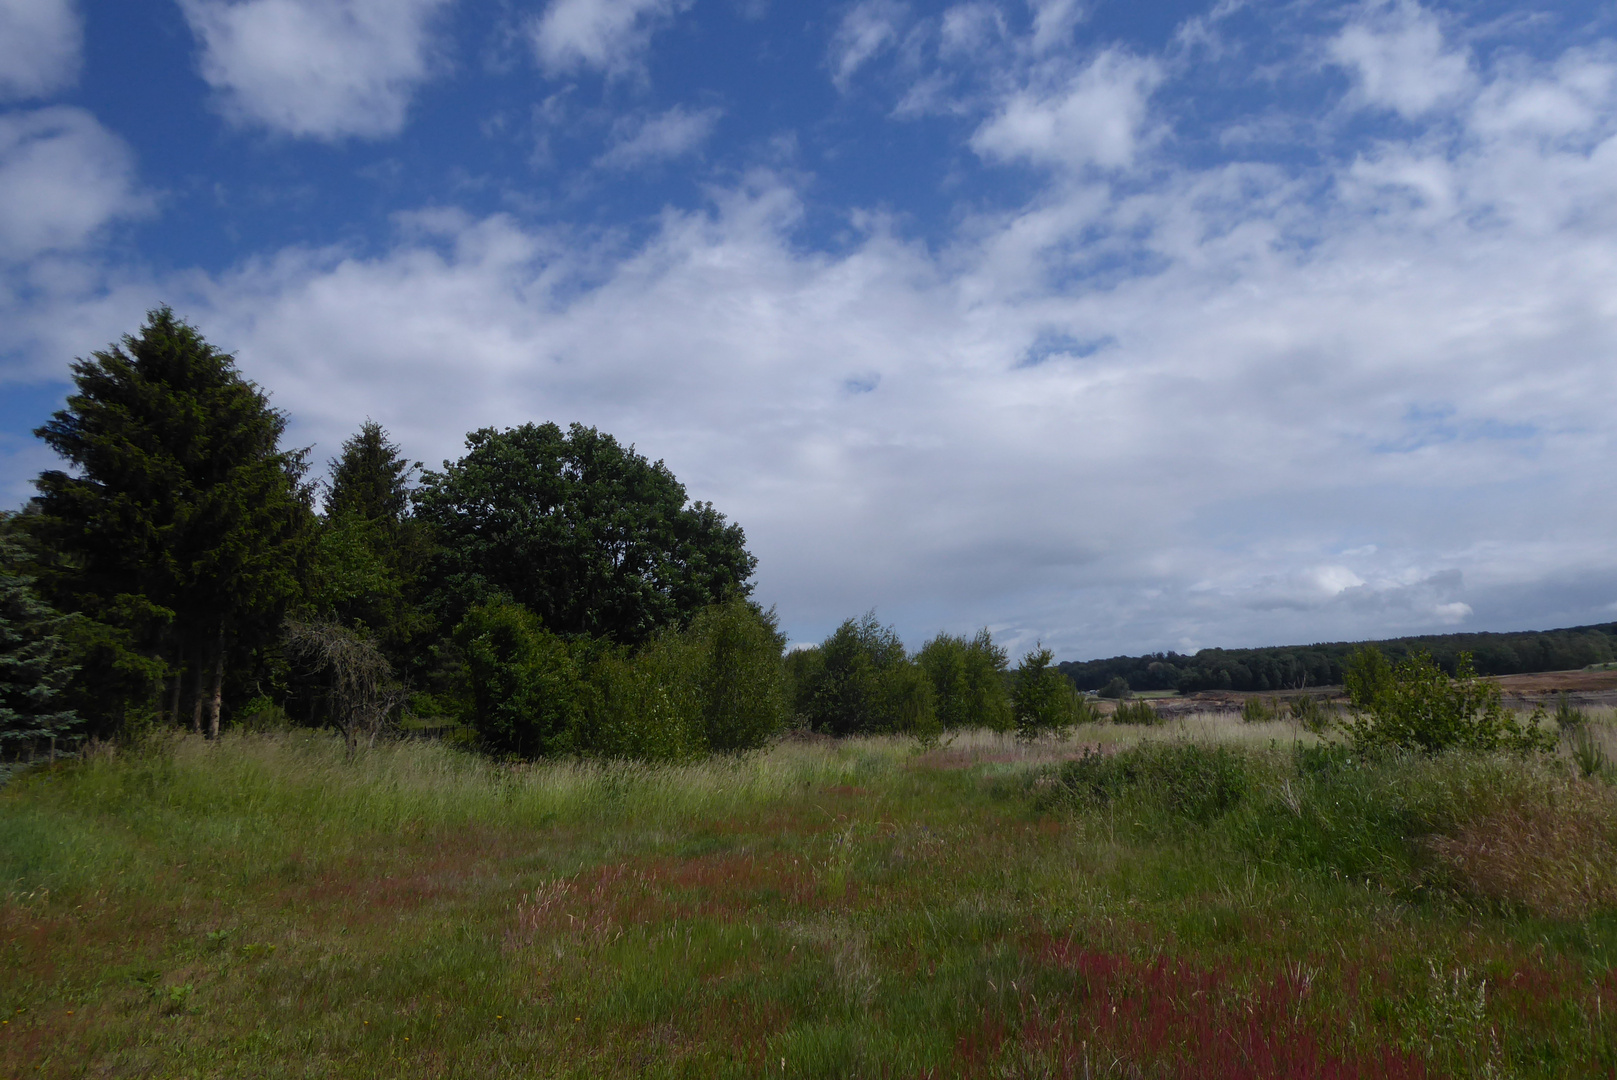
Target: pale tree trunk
{"x": 179, "y": 675}
{"x": 196, "y": 710}
{"x": 216, "y": 698}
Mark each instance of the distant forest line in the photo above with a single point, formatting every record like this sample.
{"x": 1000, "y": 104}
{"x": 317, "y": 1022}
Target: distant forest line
{"x": 1291, "y": 667}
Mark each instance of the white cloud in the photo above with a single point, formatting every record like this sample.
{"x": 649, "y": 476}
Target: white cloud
{"x": 1053, "y": 23}
{"x": 867, "y": 30}
{"x": 970, "y": 29}
{"x": 640, "y": 141}
{"x": 1091, "y": 118}
{"x": 39, "y": 47}
{"x": 1275, "y": 402}
{"x": 1346, "y": 439}
{"x": 1396, "y": 51}
{"x": 325, "y": 69}
{"x": 62, "y": 178}
{"x": 1570, "y": 100}
{"x": 607, "y": 35}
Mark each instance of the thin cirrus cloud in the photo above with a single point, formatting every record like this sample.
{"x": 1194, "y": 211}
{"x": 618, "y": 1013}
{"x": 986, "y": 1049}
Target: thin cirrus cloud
{"x": 324, "y": 69}
{"x": 602, "y": 35}
{"x": 641, "y": 141}
{"x": 40, "y": 42}
{"x": 867, "y": 30}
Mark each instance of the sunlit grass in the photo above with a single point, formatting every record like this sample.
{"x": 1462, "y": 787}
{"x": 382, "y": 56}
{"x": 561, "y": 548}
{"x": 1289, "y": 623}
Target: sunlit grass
{"x": 267, "y": 906}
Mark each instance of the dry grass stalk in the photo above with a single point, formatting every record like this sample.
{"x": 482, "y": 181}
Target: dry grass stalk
{"x": 1556, "y": 858}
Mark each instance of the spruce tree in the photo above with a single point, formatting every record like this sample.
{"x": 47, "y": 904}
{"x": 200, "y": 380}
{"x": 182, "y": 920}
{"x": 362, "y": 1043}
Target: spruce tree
{"x": 370, "y": 479}
{"x": 371, "y": 551}
{"x": 183, "y": 505}
{"x": 32, "y": 670}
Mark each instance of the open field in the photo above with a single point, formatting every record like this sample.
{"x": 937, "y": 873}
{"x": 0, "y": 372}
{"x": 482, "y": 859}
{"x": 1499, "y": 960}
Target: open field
{"x": 1250, "y": 907}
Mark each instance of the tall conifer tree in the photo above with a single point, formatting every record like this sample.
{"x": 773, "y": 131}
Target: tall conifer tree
{"x": 370, "y": 479}
{"x": 32, "y": 672}
{"x": 182, "y": 502}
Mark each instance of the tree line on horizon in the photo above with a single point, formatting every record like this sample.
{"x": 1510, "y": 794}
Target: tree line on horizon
{"x": 550, "y": 592}
{"x": 1296, "y": 667}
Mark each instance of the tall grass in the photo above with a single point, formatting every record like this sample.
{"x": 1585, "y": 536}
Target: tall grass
{"x": 272, "y": 794}
{"x": 1217, "y": 899}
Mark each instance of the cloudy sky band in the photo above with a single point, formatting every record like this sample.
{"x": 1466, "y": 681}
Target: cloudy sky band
{"x": 1270, "y": 322}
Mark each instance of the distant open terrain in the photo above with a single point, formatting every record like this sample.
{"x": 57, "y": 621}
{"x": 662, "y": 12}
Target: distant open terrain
{"x": 1297, "y": 667}
{"x": 1228, "y": 901}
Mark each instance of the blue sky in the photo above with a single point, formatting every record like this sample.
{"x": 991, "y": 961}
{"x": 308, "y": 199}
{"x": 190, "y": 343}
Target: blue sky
{"x": 1116, "y": 326}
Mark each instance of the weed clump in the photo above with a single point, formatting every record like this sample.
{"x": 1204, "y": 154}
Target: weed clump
{"x": 1256, "y": 711}
{"x": 1136, "y": 712}
{"x": 1186, "y": 781}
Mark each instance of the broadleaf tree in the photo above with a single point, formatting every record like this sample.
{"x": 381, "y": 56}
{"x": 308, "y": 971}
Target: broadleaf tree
{"x": 586, "y": 533}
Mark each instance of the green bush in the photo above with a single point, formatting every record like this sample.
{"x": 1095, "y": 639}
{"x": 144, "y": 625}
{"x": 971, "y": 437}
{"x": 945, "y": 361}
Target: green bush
{"x": 1257, "y": 711}
{"x": 1117, "y": 688}
{"x": 860, "y": 681}
{"x": 1568, "y": 717}
{"x": 1588, "y": 754}
{"x": 528, "y": 696}
{"x": 1389, "y": 817}
{"x": 1414, "y": 705}
{"x": 1311, "y": 714}
{"x": 714, "y": 686}
{"x": 1044, "y": 701}
{"x": 643, "y": 706}
{"x": 1187, "y": 781}
{"x": 968, "y": 681}
{"x": 739, "y": 675}
{"x": 1136, "y": 712}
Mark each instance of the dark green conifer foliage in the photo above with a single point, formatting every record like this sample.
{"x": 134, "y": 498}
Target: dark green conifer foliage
{"x": 183, "y": 507}
{"x": 33, "y": 671}
{"x": 370, "y": 479}
{"x": 371, "y": 552}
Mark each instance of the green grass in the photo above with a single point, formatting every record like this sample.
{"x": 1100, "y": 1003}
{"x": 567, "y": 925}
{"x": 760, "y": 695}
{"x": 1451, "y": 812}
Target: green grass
{"x": 1206, "y": 898}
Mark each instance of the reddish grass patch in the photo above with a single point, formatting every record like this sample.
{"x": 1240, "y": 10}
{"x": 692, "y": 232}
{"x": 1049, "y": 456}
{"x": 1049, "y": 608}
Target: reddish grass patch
{"x": 1124, "y": 1017}
{"x": 721, "y": 886}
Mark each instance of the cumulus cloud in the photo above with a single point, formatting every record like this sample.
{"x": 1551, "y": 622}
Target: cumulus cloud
{"x": 325, "y": 69}
{"x": 39, "y": 47}
{"x": 62, "y": 178}
{"x": 1329, "y": 434}
{"x": 1232, "y": 402}
{"x": 1094, "y": 117}
{"x": 1400, "y": 61}
{"x": 641, "y": 141}
{"x": 606, "y": 35}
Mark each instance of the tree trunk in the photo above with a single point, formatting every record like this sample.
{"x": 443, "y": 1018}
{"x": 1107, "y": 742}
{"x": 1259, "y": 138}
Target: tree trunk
{"x": 179, "y": 675}
{"x": 196, "y": 711}
{"x": 216, "y": 698}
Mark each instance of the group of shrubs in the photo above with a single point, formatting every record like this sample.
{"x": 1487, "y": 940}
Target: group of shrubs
{"x": 721, "y": 684}
{"x": 714, "y": 686}
{"x": 1498, "y": 827}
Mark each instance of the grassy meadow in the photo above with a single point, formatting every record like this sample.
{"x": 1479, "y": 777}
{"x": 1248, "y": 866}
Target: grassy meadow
{"x": 1200, "y": 899}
